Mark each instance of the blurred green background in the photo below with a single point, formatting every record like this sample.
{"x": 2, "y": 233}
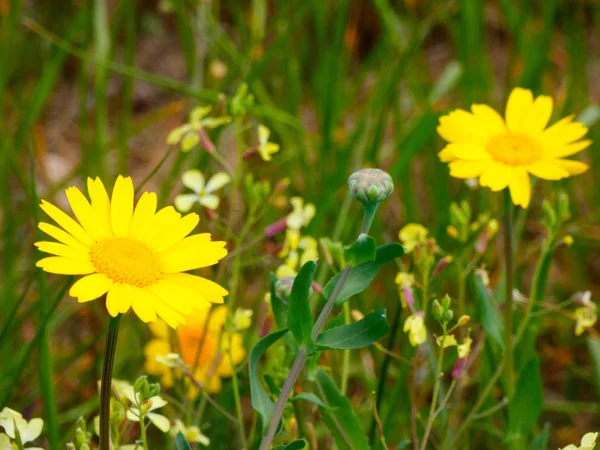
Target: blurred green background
{"x": 94, "y": 87}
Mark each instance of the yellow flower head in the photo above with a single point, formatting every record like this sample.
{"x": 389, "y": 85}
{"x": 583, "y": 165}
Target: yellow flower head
{"x": 502, "y": 153}
{"x": 588, "y": 442}
{"x": 203, "y": 345}
{"x": 266, "y": 148}
{"x": 411, "y": 235}
{"x": 137, "y": 256}
{"x": 415, "y": 327}
{"x": 204, "y": 192}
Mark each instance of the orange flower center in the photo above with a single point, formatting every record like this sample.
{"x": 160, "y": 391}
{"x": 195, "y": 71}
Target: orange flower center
{"x": 126, "y": 261}
{"x": 514, "y": 149}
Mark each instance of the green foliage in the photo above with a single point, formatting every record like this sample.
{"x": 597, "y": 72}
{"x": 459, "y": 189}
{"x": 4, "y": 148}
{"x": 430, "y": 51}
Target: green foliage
{"x": 355, "y": 335}
{"x": 362, "y": 275}
{"x": 362, "y": 251}
{"x": 526, "y": 406}
{"x": 181, "y": 442}
{"x": 487, "y": 310}
{"x": 299, "y": 319}
{"x": 296, "y": 445}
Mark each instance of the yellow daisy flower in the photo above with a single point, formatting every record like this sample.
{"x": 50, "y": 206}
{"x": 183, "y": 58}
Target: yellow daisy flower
{"x": 502, "y": 153}
{"x": 134, "y": 255}
{"x": 211, "y": 360}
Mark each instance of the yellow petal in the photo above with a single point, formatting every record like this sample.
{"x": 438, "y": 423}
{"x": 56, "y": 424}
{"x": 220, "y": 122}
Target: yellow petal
{"x": 469, "y": 152}
{"x": 154, "y": 348}
{"x": 118, "y": 299}
{"x": 191, "y": 253}
{"x": 520, "y": 188}
{"x": 517, "y": 108}
{"x": 143, "y": 302}
{"x": 54, "y": 248}
{"x": 496, "y": 176}
{"x": 168, "y": 314}
{"x": 84, "y": 213}
{"x": 446, "y": 155}
{"x": 67, "y": 223}
{"x": 467, "y": 169}
{"x": 489, "y": 119}
{"x": 65, "y": 266}
{"x": 210, "y": 201}
{"x": 547, "y": 170}
{"x": 100, "y": 204}
{"x": 62, "y": 236}
{"x": 90, "y": 287}
{"x": 538, "y": 115}
{"x": 184, "y": 202}
{"x": 573, "y": 167}
{"x": 460, "y": 126}
{"x": 164, "y": 218}
{"x": 177, "y": 299}
{"x": 143, "y": 214}
{"x": 174, "y": 233}
{"x": 208, "y": 289}
{"x": 563, "y": 132}
{"x": 121, "y": 207}
{"x": 562, "y": 151}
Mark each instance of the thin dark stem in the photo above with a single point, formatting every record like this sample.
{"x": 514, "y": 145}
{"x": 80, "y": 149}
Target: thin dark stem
{"x": 158, "y": 166}
{"x": 106, "y": 383}
{"x": 509, "y": 384}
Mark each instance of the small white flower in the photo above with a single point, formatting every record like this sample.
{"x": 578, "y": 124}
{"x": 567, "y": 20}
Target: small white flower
{"x": 28, "y": 430}
{"x": 136, "y": 410}
{"x": 266, "y": 148}
{"x": 191, "y": 433}
{"x": 203, "y": 191}
{"x": 588, "y": 442}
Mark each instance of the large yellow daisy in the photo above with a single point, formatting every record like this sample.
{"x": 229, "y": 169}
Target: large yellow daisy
{"x": 136, "y": 256}
{"x": 502, "y": 153}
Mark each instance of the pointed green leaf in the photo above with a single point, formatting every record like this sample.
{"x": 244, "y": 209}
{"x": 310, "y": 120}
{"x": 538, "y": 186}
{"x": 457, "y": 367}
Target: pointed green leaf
{"x": 280, "y": 308}
{"x": 181, "y": 442}
{"x": 343, "y": 422}
{"x": 309, "y": 397}
{"x": 261, "y": 402}
{"x": 540, "y": 442}
{"x": 300, "y": 321}
{"x": 526, "y": 405}
{"x": 488, "y": 313}
{"x": 362, "y": 251}
{"x": 362, "y": 275}
{"x": 357, "y": 334}
{"x": 594, "y": 348}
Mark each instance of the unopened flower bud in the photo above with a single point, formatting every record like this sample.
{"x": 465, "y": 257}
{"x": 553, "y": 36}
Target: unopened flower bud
{"x": 458, "y": 368}
{"x": 441, "y": 265}
{"x": 437, "y": 310}
{"x": 452, "y": 231}
{"x": 563, "y": 210}
{"x": 370, "y": 185}
{"x": 446, "y": 302}
{"x": 448, "y": 315}
{"x": 462, "y": 320}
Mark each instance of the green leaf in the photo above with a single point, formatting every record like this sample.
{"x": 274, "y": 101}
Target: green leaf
{"x": 300, "y": 443}
{"x": 300, "y": 321}
{"x": 280, "y": 309}
{"x": 488, "y": 313}
{"x": 362, "y": 251}
{"x": 361, "y": 276}
{"x": 357, "y": 334}
{"x": 261, "y": 402}
{"x": 309, "y": 397}
{"x": 526, "y": 405}
{"x": 594, "y": 348}
{"x": 343, "y": 423}
{"x": 404, "y": 444}
{"x": 540, "y": 442}
{"x": 181, "y": 443}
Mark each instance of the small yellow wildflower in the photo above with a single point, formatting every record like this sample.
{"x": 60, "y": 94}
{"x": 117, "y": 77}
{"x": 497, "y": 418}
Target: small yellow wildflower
{"x": 405, "y": 279}
{"x": 568, "y": 240}
{"x": 411, "y": 235}
{"x": 293, "y": 242}
{"x": 465, "y": 348}
{"x": 266, "y": 148}
{"x": 452, "y": 231}
{"x": 587, "y": 314}
{"x": 204, "y": 192}
{"x": 28, "y": 430}
{"x": 446, "y": 341}
{"x": 187, "y": 135}
{"x": 136, "y": 256}
{"x": 301, "y": 215}
{"x": 492, "y": 228}
{"x": 191, "y": 433}
{"x": 588, "y": 442}
{"x": 415, "y": 327}
{"x": 203, "y": 347}
{"x": 242, "y": 319}
{"x": 502, "y": 153}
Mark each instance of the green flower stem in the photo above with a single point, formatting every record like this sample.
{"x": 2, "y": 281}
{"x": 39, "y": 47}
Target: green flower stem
{"x": 153, "y": 172}
{"x": 298, "y": 365}
{"x": 370, "y": 209}
{"x": 143, "y": 429}
{"x": 106, "y": 382}
{"x": 509, "y": 381}
{"x": 425, "y": 292}
{"x": 462, "y": 278}
{"x": 436, "y": 391}
{"x": 346, "y": 354}
{"x": 236, "y": 395}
